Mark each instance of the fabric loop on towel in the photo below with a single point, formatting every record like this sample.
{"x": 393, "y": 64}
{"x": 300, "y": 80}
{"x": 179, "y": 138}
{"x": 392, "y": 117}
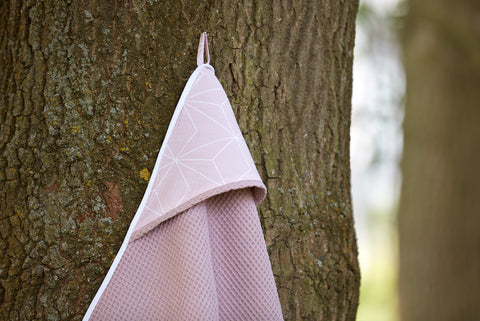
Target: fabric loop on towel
{"x": 202, "y": 49}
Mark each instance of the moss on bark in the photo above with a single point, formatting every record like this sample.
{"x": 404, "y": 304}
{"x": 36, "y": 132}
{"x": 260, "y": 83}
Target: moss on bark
{"x": 86, "y": 95}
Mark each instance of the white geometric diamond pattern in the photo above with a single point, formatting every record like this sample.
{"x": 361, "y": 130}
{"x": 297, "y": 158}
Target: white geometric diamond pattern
{"x": 205, "y": 150}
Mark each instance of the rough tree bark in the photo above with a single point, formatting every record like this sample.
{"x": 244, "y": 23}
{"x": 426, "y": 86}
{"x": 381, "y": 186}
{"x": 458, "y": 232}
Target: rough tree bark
{"x": 87, "y": 90}
{"x": 439, "y": 210}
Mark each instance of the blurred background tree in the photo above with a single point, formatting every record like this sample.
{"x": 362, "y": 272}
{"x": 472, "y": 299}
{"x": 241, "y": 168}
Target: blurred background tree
{"x": 439, "y": 216}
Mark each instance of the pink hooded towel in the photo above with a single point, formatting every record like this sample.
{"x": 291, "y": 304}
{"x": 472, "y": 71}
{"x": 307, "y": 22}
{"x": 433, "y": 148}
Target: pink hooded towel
{"x": 195, "y": 248}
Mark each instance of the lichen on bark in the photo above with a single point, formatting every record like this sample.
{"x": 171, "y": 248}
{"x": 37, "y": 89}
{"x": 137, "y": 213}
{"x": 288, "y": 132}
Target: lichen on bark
{"x": 86, "y": 95}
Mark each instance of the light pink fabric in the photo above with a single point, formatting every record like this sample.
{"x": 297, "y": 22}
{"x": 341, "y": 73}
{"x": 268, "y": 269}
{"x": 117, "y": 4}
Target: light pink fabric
{"x": 207, "y": 263}
{"x": 203, "y": 48}
{"x": 195, "y": 248}
{"x": 204, "y": 151}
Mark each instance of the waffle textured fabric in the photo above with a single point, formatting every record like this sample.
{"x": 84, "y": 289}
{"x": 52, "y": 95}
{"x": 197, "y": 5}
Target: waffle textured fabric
{"x": 207, "y": 263}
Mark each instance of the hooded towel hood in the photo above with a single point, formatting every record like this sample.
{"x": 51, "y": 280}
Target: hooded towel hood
{"x": 203, "y": 154}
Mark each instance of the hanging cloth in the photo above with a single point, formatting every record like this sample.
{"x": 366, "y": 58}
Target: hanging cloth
{"x": 195, "y": 248}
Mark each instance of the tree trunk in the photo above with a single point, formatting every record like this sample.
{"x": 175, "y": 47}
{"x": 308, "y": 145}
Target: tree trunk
{"x": 439, "y": 211}
{"x": 87, "y": 90}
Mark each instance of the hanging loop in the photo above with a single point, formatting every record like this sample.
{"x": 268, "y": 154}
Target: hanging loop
{"x": 202, "y": 49}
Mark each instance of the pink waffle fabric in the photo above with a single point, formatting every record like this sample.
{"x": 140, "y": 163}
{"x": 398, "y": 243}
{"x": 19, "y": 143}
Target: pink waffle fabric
{"x": 195, "y": 248}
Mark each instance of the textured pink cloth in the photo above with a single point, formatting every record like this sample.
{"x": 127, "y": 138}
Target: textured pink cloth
{"x": 195, "y": 248}
{"x": 207, "y": 263}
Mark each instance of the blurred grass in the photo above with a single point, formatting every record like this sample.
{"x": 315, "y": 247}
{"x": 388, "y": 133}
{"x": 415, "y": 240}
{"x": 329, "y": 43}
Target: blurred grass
{"x": 378, "y": 296}
{"x": 378, "y": 291}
